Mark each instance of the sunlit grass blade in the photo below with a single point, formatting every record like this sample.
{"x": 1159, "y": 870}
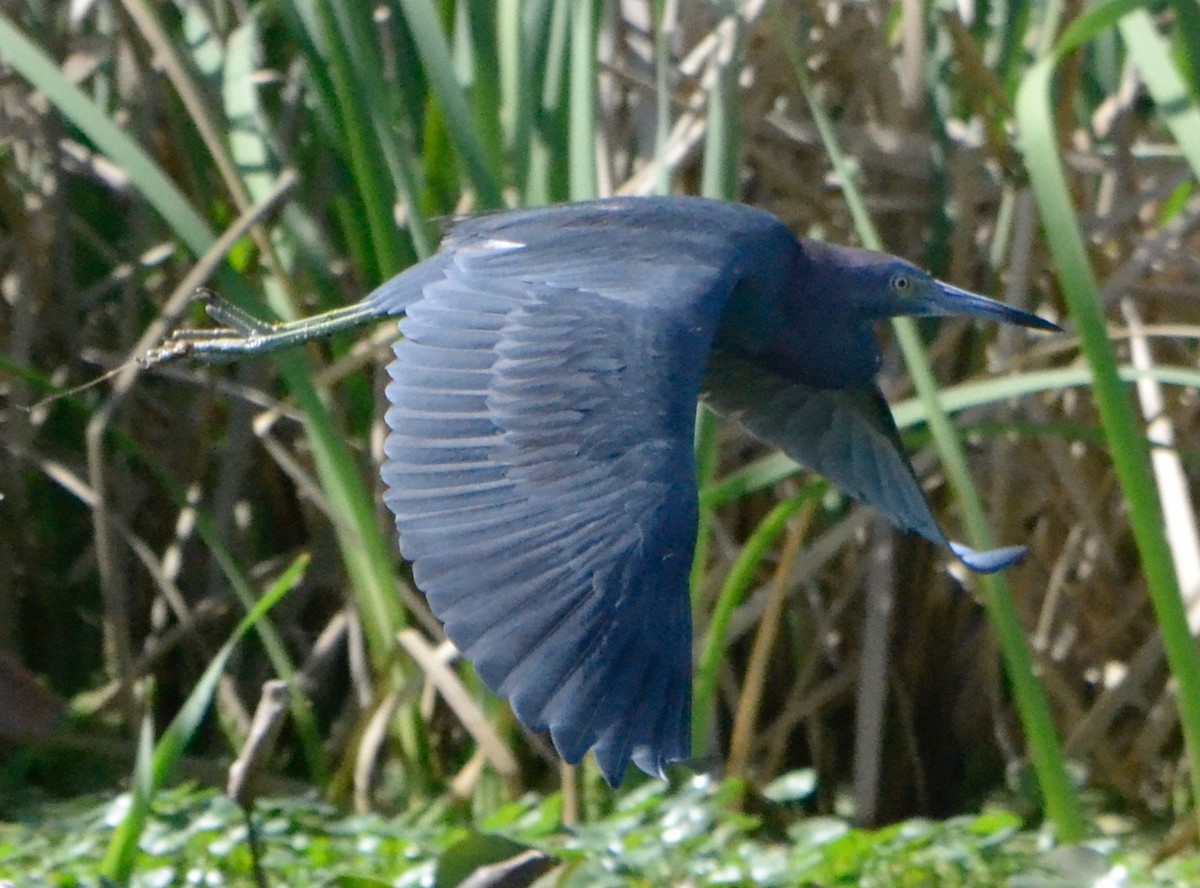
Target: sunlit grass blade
{"x": 582, "y": 129}
{"x": 481, "y": 58}
{"x": 347, "y": 57}
{"x": 311, "y": 38}
{"x": 529, "y": 32}
{"x": 1187, "y": 43}
{"x": 381, "y": 105}
{"x": 438, "y": 63}
{"x": 549, "y": 175}
{"x": 1152, "y": 55}
{"x": 160, "y": 192}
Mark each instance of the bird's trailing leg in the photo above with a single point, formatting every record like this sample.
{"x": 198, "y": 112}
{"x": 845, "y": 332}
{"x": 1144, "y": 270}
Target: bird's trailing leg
{"x": 243, "y": 334}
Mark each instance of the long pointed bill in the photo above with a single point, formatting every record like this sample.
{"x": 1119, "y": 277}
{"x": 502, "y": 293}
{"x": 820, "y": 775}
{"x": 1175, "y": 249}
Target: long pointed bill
{"x": 944, "y": 300}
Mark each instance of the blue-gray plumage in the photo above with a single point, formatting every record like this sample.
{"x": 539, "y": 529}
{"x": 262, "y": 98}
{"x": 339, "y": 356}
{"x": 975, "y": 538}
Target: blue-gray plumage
{"x": 543, "y": 397}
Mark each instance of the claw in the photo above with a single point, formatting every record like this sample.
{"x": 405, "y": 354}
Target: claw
{"x": 173, "y": 348}
{"x": 226, "y": 313}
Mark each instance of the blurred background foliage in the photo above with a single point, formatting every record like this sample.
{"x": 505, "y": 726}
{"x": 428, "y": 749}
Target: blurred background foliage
{"x": 295, "y": 153}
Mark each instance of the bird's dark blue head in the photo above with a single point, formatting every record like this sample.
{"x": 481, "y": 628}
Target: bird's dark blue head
{"x": 815, "y": 324}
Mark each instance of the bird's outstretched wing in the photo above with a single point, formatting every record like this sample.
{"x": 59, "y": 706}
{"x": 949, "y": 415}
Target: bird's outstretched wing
{"x": 540, "y": 469}
{"x": 846, "y": 435}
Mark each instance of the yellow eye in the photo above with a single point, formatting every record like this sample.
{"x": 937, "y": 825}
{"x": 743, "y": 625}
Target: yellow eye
{"x": 901, "y": 283}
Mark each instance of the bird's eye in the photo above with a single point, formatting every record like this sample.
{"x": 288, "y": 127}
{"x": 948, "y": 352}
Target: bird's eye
{"x": 901, "y": 283}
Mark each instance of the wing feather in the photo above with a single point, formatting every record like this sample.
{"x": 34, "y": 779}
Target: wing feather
{"x": 540, "y": 472}
{"x": 847, "y": 435}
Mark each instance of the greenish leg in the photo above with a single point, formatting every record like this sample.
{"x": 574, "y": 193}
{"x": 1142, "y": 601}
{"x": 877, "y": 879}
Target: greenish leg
{"x": 243, "y": 334}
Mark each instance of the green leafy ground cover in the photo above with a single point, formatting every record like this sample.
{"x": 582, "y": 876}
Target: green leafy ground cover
{"x": 695, "y": 833}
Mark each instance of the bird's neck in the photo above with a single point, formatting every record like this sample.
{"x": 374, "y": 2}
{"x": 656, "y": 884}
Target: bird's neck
{"x": 805, "y": 337}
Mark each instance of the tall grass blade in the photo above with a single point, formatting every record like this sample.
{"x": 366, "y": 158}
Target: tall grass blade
{"x": 438, "y": 63}
{"x": 1035, "y": 110}
{"x": 1175, "y": 103}
{"x": 582, "y": 131}
{"x": 352, "y": 104}
{"x": 160, "y": 192}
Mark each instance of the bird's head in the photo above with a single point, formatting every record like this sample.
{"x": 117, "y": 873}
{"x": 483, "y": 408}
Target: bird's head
{"x": 869, "y": 286}
{"x": 817, "y": 326}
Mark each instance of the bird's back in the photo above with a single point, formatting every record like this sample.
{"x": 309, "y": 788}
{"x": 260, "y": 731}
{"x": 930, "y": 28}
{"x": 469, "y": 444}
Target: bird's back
{"x": 644, "y": 251}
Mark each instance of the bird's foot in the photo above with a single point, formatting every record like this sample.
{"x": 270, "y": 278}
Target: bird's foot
{"x": 241, "y": 333}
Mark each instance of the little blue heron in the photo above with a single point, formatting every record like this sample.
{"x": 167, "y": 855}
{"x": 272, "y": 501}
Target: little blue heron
{"x": 543, "y": 398}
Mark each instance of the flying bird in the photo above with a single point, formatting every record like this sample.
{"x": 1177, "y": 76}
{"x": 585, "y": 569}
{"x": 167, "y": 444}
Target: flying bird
{"x": 542, "y": 403}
